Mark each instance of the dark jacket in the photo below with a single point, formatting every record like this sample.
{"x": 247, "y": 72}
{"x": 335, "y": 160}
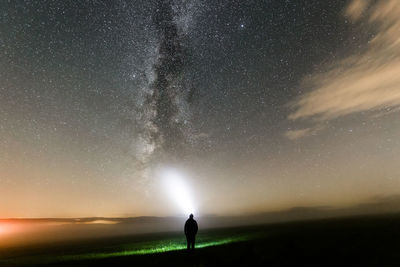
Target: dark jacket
{"x": 191, "y": 227}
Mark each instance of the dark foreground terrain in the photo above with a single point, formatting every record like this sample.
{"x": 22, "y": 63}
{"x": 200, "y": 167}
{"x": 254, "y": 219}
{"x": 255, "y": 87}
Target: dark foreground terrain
{"x": 357, "y": 241}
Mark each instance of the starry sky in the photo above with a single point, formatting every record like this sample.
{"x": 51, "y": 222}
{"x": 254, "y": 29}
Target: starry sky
{"x": 261, "y": 105}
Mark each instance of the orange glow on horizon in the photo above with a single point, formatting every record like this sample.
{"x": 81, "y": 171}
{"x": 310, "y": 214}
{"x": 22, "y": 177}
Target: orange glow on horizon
{"x": 7, "y": 228}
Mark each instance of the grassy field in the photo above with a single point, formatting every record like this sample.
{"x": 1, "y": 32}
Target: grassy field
{"x": 359, "y": 241}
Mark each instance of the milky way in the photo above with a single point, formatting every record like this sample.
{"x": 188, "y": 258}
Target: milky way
{"x": 164, "y": 114}
{"x": 167, "y": 86}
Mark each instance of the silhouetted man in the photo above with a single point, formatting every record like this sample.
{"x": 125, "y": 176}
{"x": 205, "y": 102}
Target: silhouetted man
{"x": 191, "y": 231}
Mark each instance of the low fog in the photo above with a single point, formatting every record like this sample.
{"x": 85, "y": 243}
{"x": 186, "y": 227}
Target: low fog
{"x": 22, "y": 232}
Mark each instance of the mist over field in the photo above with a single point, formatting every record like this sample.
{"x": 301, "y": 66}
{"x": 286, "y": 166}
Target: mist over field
{"x": 21, "y": 232}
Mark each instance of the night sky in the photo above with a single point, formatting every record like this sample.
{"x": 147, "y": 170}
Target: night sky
{"x": 260, "y": 105}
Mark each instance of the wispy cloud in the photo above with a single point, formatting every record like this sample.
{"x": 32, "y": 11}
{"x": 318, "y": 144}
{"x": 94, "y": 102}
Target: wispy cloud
{"x": 369, "y": 81}
{"x": 296, "y": 134}
{"x": 300, "y": 133}
{"x": 356, "y": 8}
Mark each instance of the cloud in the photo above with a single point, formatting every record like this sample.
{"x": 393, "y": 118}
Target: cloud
{"x": 369, "y": 81}
{"x": 356, "y": 8}
{"x": 386, "y": 111}
{"x": 296, "y": 134}
{"x": 300, "y": 133}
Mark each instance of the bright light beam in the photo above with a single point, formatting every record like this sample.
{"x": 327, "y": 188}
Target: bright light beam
{"x": 178, "y": 190}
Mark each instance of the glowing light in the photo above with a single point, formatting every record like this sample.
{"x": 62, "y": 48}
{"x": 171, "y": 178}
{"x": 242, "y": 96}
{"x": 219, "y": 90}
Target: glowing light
{"x": 178, "y": 190}
{"x": 172, "y": 246}
{"x": 153, "y": 247}
{"x": 8, "y": 228}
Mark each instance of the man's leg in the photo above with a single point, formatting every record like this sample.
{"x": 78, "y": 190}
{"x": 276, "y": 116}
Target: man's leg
{"x": 193, "y": 241}
{"x": 188, "y": 242}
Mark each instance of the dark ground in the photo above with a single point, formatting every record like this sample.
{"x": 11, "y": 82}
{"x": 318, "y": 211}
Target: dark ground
{"x": 357, "y": 241}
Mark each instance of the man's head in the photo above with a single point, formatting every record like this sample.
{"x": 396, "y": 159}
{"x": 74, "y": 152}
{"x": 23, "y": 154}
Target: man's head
{"x": 191, "y": 216}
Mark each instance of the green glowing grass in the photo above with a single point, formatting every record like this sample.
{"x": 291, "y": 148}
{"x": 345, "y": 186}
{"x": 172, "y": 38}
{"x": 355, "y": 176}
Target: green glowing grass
{"x": 136, "y": 248}
{"x": 164, "y": 247}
